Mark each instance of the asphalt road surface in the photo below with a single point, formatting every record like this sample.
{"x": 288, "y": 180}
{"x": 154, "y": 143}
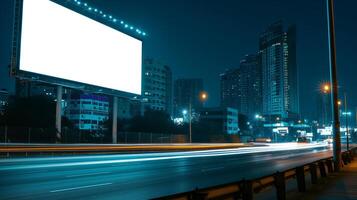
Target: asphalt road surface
{"x": 145, "y": 175}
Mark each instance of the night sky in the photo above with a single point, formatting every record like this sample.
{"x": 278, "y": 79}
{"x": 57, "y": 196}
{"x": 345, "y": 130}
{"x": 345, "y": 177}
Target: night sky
{"x": 200, "y": 39}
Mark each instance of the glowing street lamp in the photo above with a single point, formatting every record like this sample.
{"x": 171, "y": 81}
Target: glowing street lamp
{"x": 339, "y": 102}
{"x": 203, "y": 96}
{"x": 325, "y": 88}
{"x": 184, "y": 112}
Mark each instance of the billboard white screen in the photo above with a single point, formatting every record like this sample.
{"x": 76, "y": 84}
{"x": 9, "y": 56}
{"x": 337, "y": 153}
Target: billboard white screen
{"x": 58, "y": 42}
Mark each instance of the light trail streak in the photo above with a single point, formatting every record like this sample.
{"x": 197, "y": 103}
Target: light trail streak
{"x": 115, "y": 159}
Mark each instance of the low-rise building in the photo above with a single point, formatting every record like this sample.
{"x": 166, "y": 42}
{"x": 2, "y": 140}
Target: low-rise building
{"x": 87, "y": 111}
{"x": 225, "y": 118}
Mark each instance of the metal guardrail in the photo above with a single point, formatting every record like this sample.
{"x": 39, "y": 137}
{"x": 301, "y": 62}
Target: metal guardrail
{"x": 245, "y": 189}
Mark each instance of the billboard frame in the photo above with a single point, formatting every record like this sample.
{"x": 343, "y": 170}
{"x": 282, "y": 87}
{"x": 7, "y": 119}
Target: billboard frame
{"x": 16, "y": 72}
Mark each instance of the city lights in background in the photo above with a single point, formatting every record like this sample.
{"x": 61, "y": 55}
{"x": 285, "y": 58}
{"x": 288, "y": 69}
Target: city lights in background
{"x": 347, "y": 113}
{"x": 110, "y": 18}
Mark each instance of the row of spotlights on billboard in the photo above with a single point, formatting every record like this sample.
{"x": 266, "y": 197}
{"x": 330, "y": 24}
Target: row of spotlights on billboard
{"x": 110, "y": 17}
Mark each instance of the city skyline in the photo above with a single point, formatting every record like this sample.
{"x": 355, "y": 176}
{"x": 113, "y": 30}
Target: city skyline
{"x": 174, "y": 99}
{"x": 186, "y": 64}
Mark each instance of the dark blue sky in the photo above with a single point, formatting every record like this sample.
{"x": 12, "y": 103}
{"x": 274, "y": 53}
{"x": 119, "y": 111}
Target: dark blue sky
{"x": 200, "y": 39}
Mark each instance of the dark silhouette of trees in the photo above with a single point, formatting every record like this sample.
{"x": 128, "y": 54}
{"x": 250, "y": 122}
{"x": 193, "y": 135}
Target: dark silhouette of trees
{"x": 30, "y": 119}
{"x": 243, "y": 122}
{"x": 153, "y": 121}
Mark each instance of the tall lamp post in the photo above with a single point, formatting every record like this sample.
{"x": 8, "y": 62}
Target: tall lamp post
{"x": 202, "y": 97}
{"x": 333, "y": 79}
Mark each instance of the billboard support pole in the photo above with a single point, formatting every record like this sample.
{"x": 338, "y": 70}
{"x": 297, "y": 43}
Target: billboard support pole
{"x": 115, "y": 116}
{"x": 334, "y": 88}
{"x": 58, "y": 113}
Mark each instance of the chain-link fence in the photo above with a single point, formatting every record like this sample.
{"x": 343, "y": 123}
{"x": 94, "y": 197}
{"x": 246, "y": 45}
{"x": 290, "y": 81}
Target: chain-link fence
{"x": 144, "y": 137}
{"x": 67, "y": 136}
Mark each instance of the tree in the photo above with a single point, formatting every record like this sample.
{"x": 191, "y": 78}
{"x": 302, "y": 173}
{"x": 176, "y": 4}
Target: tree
{"x": 33, "y": 119}
{"x": 154, "y": 121}
{"x": 243, "y": 122}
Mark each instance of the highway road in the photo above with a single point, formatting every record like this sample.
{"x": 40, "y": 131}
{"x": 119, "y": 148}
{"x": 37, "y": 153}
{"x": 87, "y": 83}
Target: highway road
{"x": 145, "y": 175}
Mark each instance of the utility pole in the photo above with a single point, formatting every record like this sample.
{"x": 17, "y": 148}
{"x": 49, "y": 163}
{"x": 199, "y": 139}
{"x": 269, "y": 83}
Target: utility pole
{"x": 190, "y": 125}
{"x": 334, "y": 90}
{"x": 346, "y": 122}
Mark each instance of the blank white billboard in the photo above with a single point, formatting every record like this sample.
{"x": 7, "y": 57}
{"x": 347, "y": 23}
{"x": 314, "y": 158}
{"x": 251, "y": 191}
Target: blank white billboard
{"x": 58, "y": 42}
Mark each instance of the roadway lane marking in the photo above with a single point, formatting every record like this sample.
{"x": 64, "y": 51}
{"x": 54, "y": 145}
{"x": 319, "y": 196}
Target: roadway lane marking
{"x": 81, "y": 187}
{"x": 88, "y": 174}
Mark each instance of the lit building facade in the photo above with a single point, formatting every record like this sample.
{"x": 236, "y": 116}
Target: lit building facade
{"x": 230, "y": 89}
{"x": 250, "y": 83}
{"x": 157, "y": 86}
{"x": 241, "y": 88}
{"x": 87, "y": 111}
{"x": 323, "y": 109}
{"x": 277, "y": 50}
{"x": 224, "y": 117}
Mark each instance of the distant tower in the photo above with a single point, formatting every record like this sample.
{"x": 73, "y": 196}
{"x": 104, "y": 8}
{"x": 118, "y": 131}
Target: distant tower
{"x": 186, "y": 92}
{"x": 230, "y": 90}
{"x": 241, "y": 88}
{"x": 277, "y": 49}
{"x": 323, "y": 109}
{"x": 157, "y": 86}
{"x": 250, "y": 83}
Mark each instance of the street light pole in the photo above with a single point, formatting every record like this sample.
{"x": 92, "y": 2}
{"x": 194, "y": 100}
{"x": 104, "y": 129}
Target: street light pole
{"x": 346, "y": 122}
{"x": 333, "y": 80}
{"x": 190, "y": 119}
{"x": 202, "y": 97}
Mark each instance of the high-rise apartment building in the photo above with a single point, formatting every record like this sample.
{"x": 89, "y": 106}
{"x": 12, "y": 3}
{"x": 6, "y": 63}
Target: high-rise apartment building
{"x": 323, "y": 109}
{"x": 241, "y": 87}
{"x": 186, "y": 93}
{"x": 230, "y": 89}
{"x": 157, "y": 86}
{"x": 277, "y": 49}
{"x": 250, "y": 83}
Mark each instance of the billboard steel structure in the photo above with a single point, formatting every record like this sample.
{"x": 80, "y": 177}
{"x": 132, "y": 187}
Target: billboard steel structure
{"x": 57, "y": 44}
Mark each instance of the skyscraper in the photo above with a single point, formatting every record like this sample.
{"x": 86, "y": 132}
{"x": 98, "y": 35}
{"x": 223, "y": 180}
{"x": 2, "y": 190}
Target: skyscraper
{"x": 323, "y": 109}
{"x": 250, "y": 83}
{"x": 241, "y": 87}
{"x": 157, "y": 86}
{"x": 186, "y": 92}
{"x": 230, "y": 89}
{"x": 277, "y": 49}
